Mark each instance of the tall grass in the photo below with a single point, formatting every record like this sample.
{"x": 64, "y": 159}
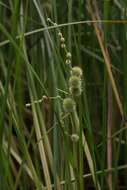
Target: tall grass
{"x": 43, "y": 146}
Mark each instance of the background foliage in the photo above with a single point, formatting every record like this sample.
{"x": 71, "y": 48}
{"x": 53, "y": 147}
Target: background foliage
{"x": 36, "y": 149}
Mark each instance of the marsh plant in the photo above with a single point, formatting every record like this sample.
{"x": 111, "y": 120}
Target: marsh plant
{"x": 63, "y": 95}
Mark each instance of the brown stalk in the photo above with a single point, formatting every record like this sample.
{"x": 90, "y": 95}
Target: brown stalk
{"x": 109, "y": 135}
{"x": 111, "y": 87}
{"x": 99, "y": 34}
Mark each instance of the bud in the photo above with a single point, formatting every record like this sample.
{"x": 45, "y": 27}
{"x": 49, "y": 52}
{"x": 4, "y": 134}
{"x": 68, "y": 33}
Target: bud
{"x": 62, "y": 39}
{"x": 55, "y": 24}
{"x": 68, "y": 55}
{"x": 48, "y": 19}
{"x": 45, "y": 99}
{"x": 63, "y": 45}
{"x": 60, "y": 34}
{"x": 68, "y": 62}
{"x": 74, "y": 137}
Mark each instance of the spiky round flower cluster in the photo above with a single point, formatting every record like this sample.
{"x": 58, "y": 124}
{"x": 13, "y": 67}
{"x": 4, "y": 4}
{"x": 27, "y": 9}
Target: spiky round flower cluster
{"x": 68, "y": 105}
{"x": 75, "y": 82}
{"x": 76, "y": 71}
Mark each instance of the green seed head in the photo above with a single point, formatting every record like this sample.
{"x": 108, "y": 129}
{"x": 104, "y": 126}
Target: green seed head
{"x": 68, "y": 105}
{"x": 75, "y": 82}
{"x": 75, "y": 91}
{"x": 76, "y": 71}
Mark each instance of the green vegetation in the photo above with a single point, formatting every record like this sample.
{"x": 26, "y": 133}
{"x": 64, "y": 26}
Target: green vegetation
{"x": 63, "y": 95}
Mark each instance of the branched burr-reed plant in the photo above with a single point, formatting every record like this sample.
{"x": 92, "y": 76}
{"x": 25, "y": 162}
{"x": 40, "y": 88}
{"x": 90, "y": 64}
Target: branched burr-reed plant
{"x": 74, "y": 133}
{"x": 63, "y": 95}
